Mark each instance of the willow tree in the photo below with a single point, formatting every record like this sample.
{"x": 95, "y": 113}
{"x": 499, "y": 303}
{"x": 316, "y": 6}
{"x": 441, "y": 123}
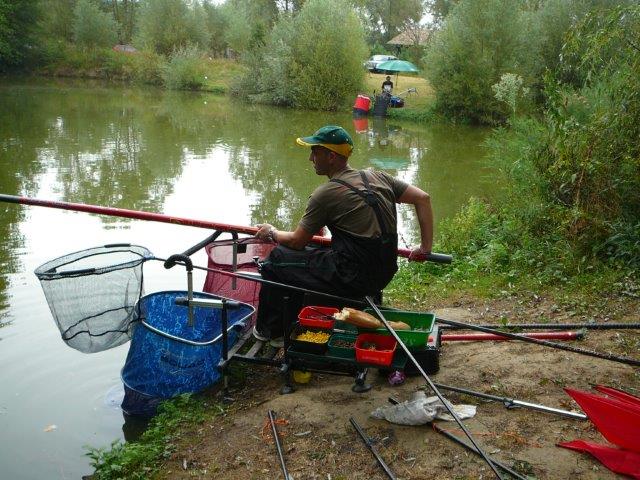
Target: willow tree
{"x": 167, "y": 25}
{"x": 92, "y": 27}
{"x": 313, "y": 60}
{"x": 479, "y": 42}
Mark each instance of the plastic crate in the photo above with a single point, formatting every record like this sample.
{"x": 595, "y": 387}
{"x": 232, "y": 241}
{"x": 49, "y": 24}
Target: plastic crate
{"x": 382, "y": 355}
{"x": 308, "y": 347}
{"x": 314, "y": 317}
{"x": 336, "y": 350}
{"x": 421, "y": 325}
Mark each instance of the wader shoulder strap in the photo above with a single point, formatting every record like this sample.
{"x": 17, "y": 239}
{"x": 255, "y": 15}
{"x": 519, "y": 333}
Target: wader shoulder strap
{"x": 368, "y": 196}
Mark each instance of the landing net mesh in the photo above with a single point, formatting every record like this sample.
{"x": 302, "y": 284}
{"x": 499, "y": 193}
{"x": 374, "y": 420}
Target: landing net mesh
{"x": 92, "y": 294}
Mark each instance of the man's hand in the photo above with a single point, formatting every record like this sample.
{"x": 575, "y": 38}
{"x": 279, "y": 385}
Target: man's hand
{"x": 265, "y": 232}
{"x": 419, "y": 254}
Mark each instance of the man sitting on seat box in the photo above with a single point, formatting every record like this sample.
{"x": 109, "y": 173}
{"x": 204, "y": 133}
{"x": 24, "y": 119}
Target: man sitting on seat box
{"x": 387, "y": 85}
{"x": 359, "y": 209}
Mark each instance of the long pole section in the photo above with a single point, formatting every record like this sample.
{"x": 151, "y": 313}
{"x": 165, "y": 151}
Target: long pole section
{"x": 432, "y": 385}
{"x": 554, "y": 326}
{"x": 367, "y": 441}
{"x": 546, "y": 343}
{"x": 276, "y": 438}
{"x": 512, "y": 402}
{"x": 159, "y": 217}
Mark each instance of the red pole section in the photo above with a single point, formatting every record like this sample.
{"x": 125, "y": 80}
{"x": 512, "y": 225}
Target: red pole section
{"x": 481, "y": 337}
{"x": 159, "y": 217}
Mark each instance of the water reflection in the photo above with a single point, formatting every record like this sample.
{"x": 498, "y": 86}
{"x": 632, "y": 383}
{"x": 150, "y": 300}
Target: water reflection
{"x": 128, "y": 147}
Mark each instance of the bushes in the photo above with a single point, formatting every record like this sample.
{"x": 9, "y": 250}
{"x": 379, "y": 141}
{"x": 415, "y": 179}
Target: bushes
{"x": 313, "y": 60}
{"x": 479, "y": 41}
{"x": 146, "y": 67}
{"x": 18, "y": 20}
{"x": 572, "y": 177}
{"x": 484, "y": 39}
{"x": 184, "y": 70}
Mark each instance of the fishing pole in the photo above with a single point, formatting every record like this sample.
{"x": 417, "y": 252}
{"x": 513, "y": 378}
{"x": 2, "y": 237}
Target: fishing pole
{"x": 258, "y": 279}
{"x": 460, "y": 325}
{"x": 480, "y": 337}
{"x": 546, "y": 343}
{"x": 473, "y": 449}
{"x": 431, "y": 385}
{"x": 451, "y": 436}
{"x": 159, "y": 217}
{"x": 513, "y": 403}
{"x": 556, "y": 326}
{"x": 369, "y": 443}
{"x": 276, "y": 437}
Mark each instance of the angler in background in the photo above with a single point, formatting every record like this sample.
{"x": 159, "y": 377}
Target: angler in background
{"x": 387, "y": 85}
{"x": 359, "y": 209}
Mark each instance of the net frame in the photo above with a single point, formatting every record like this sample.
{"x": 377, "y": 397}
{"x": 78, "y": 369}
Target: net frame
{"x": 95, "y": 314}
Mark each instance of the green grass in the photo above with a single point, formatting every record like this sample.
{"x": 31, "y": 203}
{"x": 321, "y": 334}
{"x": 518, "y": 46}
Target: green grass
{"x": 215, "y": 75}
{"x": 420, "y": 100}
{"x": 221, "y": 74}
{"x": 418, "y": 105}
{"x": 139, "y": 460}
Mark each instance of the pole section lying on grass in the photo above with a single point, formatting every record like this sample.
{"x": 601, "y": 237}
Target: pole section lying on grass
{"x": 482, "y": 337}
{"x": 276, "y": 438}
{"x": 367, "y": 441}
{"x": 158, "y": 217}
{"x": 556, "y": 326}
{"x": 432, "y": 385}
{"x": 473, "y": 449}
{"x": 567, "y": 348}
{"x": 512, "y": 403}
{"x": 451, "y": 436}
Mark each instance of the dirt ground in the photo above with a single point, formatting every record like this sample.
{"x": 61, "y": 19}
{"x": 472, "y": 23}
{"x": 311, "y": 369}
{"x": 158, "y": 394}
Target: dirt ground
{"x": 320, "y": 443}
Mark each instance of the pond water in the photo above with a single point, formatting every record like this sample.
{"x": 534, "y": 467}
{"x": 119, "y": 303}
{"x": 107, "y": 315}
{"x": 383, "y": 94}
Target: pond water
{"x": 188, "y": 155}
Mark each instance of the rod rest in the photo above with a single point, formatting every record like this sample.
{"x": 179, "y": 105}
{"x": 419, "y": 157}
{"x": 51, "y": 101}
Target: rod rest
{"x": 178, "y": 258}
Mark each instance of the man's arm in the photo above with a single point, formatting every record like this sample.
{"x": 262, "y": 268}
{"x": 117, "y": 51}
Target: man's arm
{"x": 422, "y": 203}
{"x": 297, "y": 239}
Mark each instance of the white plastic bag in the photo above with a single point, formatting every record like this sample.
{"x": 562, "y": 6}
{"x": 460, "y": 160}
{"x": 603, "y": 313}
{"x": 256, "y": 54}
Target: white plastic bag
{"x": 421, "y": 410}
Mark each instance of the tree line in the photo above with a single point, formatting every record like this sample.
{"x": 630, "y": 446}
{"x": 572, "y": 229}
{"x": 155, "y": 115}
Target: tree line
{"x": 166, "y": 25}
{"x": 559, "y": 77}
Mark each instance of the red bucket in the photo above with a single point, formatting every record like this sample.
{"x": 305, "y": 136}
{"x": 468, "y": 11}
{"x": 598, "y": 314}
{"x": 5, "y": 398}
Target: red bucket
{"x": 362, "y": 103}
{"x": 385, "y": 347}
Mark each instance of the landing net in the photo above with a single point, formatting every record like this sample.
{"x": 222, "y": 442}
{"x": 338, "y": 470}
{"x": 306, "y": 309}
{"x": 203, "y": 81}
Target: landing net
{"x": 92, "y": 294}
